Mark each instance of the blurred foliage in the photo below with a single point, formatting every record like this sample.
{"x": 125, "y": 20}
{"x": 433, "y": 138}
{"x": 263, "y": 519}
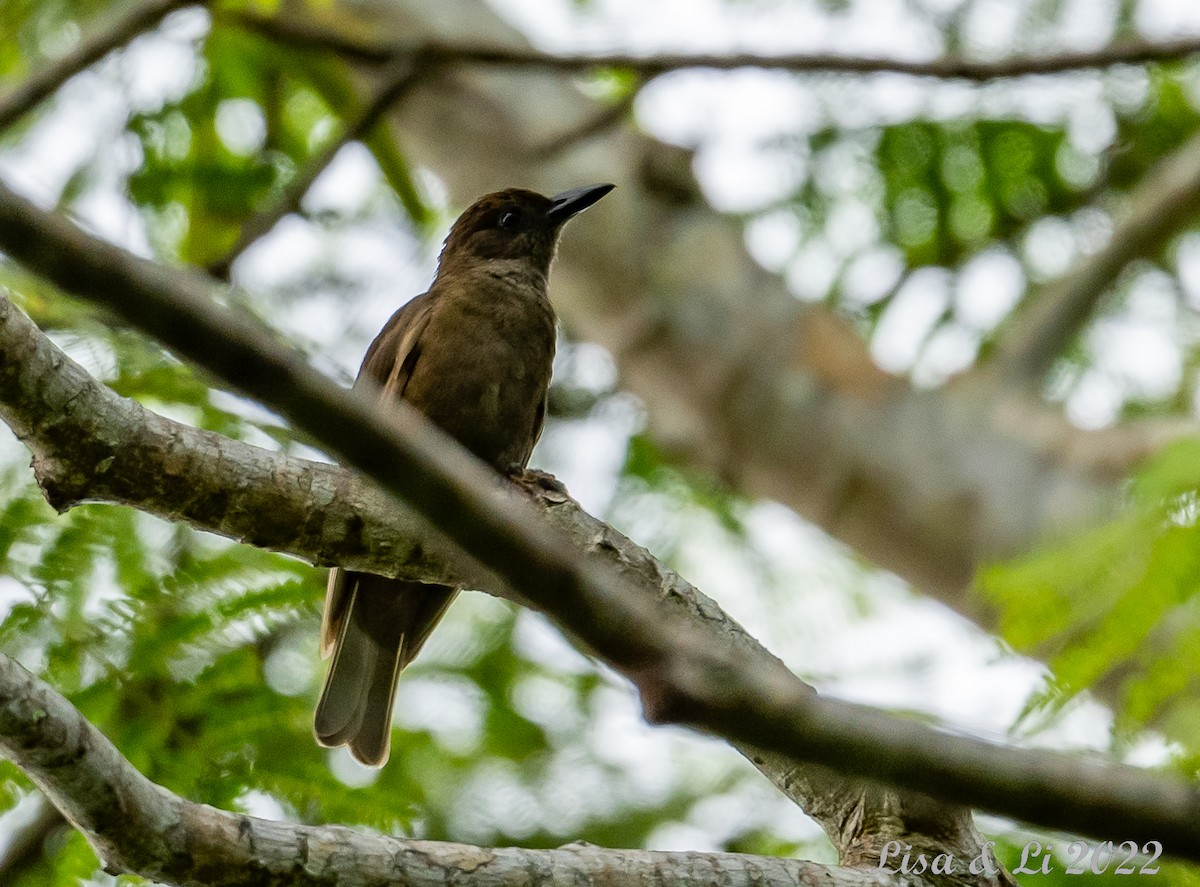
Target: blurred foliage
{"x": 1031, "y": 851}
{"x": 202, "y": 180}
{"x": 649, "y": 470}
{"x": 951, "y": 188}
{"x": 1119, "y": 605}
{"x": 197, "y": 656}
{"x": 940, "y": 191}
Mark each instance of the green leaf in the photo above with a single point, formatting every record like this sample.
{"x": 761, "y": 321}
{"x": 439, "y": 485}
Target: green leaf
{"x": 1119, "y": 603}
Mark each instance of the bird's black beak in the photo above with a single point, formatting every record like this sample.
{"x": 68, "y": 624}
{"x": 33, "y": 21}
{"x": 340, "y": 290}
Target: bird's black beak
{"x": 570, "y": 203}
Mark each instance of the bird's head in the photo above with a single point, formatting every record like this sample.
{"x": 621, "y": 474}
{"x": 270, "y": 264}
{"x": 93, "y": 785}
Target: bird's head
{"x": 515, "y": 225}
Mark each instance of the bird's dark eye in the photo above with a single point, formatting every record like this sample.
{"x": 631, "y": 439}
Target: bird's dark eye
{"x": 510, "y": 219}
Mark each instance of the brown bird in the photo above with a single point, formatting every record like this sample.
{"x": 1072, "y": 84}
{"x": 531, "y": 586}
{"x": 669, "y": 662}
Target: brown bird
{"x": 473, "y": 354}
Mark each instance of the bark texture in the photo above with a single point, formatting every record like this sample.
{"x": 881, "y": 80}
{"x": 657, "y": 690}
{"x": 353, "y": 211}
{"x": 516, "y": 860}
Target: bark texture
{"x": 138, "y": 827}
{"x": 686, "y": 672}
{"x": 91, "y": 445}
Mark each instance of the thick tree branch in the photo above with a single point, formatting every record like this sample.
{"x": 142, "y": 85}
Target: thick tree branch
{"x": 91, "y": 445}
{"x": 1163, "y": 204}
{"x": 45, "y": 80}
{"x": 949, "y": 68}
{"x": 395, "y": 85}
{"x": 136, "y": 826}
{"x": 682, "y": 676}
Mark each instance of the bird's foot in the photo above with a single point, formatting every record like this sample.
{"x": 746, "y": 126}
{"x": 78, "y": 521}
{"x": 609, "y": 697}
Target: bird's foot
{"x": 538, "y": 483}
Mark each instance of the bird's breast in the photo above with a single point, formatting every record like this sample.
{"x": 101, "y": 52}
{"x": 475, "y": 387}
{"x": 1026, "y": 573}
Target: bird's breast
{"x": 484, "y": 368}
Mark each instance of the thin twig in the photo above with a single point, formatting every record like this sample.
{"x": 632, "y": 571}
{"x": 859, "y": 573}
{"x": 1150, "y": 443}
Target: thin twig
{"x": 949, "y": 68}
{"x": 45, "y": 80}
{"x": 683, "y": 678}
{"x": 597, "y": 125}
{"x": 396, "y": 83}
{"x": 1162, "y": 205}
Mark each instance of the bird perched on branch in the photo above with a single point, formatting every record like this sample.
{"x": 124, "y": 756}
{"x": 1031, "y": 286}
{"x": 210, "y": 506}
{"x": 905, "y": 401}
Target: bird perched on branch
{"x": 473, "y": 354}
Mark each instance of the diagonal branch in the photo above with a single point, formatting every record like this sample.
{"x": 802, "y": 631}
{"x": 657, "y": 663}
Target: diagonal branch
{"x": 1162, "y": 205}
{"x": 91, "y": 445}
{"x": 139, "y": 827}
{"x": 44, "y": 81}
{"x": 605, "y": 119}
{"x": 947, "y": 68}
{"x": 396, "y": 84}
{"x": 683, "y": 677}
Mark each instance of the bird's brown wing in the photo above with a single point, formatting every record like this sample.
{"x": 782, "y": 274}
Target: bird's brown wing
{"x": 373, "y": 625}
{"x": 388, "y": 365}
{"x": 393, "y": 354}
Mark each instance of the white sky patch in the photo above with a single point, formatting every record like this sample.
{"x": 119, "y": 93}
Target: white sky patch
{"x": 15, "y": 822}
{"x": 773, "y": 238}
{"x": 587, "y": 454}
{"x": 104, "y": 209}
{"x": 1087, "y": 24}
{"x": 813, "y": 272}
{"x": 1187, "y": 267}
{"x": 746, "y": 106}
{"x": 12, "y": 593}
{"x": 680, "y": 837}
{"x": 852, "y": 227}
{"x": 1164, "y": 19}
{"x": 899, "y": 97}
{"x": 951, "y": 349}
{"x": 1094, "y": 401}
{"x": 1049, "y": 248}
{"x": 162, "y": 66}
{"x": 870, "y": 276}
{"x": 990, "y": 27}
{"x": 86, "y": 114}
{"x": 909, "y": 318}
{"x": 843, "y": 169}
{"x": 740, "y": 177}
{"x": 241, "y": 125}
{"x": 1093, "y": 230}
{"x": 263, "y": 806}
{"x": 347, "y": 183}
{"x": 350, "y": 772}
{"x": 538, "y": 641}
{"x": 1127, "y": 87}
{"x": 273, "y": 259}
{"x": 1144, "y": 358}
{"x": 987, "y": 289}
{"x": 290, "y": 671}
{"x": 730, "y": 814}
{"x": 453, "y": 708}
{"x": 549, "y": 703}
{"x": 384, "y": 257}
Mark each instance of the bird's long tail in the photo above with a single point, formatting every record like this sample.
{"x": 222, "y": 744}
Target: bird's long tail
{"x": 375, "y": 627}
